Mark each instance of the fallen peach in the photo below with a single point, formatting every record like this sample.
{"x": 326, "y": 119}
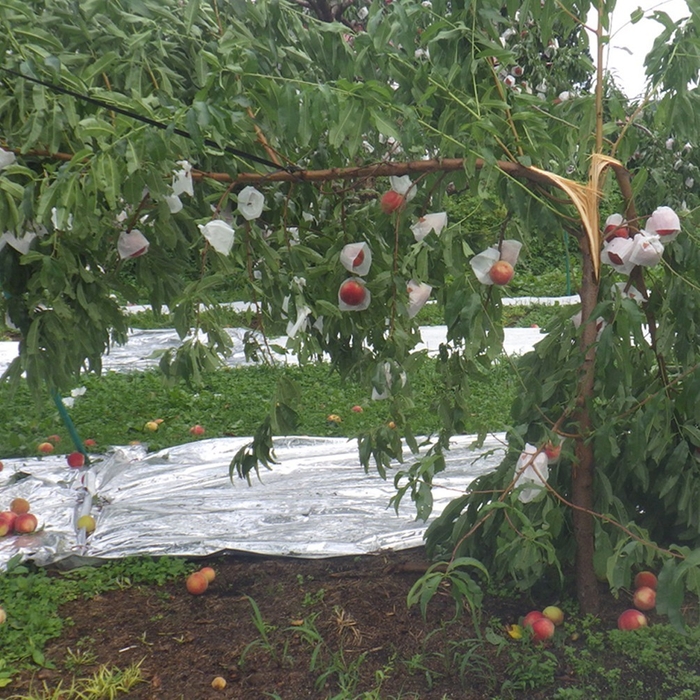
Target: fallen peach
{"x": 197, "y": 583}
{"x": 25, "y": 523}
{"x": 555, "y": 614}
{"x": 645, "y": 578}
{"x": 7, "y": 522}
{"x": 87, "y": 522}
{"x": 631, "y": 620}
{"x": 209, "y": 573}
{"x": 644, "y": 598}
{"x": 542, "y": 629}
{"x": 531, "y": 617}
{"x": 19, "y": 506}
{"x": 218, "y": 683}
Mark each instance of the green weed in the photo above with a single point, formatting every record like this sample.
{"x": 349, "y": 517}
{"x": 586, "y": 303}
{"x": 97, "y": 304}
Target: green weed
{"x": 105, "y": 684}
{"x": 31, "y": 598}
{"x": 233, "y": 402}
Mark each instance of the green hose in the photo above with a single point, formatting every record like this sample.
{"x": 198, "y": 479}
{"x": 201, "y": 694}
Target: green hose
{"x": 79, "y": 446}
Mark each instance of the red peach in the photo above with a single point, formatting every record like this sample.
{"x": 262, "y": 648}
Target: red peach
{"x": 25, "y": 523}
{"x": 352, "y": 292}
{"x": 7, "y": 522}
{"x": 631, "y": 620}
{"x": 391, "y": 201}
{"x": 76, "y": 460}
{"x": 615, "y": 259}
{"x": 542, "y": 629}
{"x": 46, "y": 448}
{"x": 645, "y": 578}
{"x": 617, "y": 228}
{"x": 531, "y": 617}
{"x": 197, "y": 583}
{"x": 552, "y": 451}
{"x": 359, "y": 259}
{"x": 644, "y": 598}
{"x": 197, "y": 430}
{"x": 502, "y": 272}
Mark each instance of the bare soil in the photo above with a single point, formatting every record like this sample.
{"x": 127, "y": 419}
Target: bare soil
{"x": 357, "y": 605}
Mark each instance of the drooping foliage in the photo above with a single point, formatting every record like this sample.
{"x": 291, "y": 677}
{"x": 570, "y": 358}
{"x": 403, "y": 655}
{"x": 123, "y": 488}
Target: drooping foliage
{"x": 107, "y": 105}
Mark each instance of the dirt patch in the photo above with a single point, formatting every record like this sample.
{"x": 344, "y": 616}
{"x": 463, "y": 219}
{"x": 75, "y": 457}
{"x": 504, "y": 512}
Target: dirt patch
{"x": 332, "y": 628}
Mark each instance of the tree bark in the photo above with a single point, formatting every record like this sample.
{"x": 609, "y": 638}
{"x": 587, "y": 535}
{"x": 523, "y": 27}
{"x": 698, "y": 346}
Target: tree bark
{"x": 584, "y": 466}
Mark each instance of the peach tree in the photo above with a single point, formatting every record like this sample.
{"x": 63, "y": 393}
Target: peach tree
{"x": 302, "y": 153}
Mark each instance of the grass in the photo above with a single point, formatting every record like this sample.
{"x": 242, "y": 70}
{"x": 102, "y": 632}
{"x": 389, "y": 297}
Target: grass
{"x": 31, "y": 599}
{"x": 232, "y": 402}
{"x": 115, "y": 407}
{"x": 107, "y": 683}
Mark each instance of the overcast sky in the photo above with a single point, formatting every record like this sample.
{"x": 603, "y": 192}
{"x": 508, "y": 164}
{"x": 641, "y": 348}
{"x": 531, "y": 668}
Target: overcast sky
{"x": 631, "y": 42}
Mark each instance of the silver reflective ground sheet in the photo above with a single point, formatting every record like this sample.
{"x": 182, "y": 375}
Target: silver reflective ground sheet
{"x": 316, "y": 502}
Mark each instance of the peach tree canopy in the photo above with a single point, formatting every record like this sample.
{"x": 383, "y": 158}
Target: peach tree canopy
{"x": 171, "y": 150}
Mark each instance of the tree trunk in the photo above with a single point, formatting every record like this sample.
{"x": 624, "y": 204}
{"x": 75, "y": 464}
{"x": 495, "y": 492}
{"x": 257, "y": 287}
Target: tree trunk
{"x": 582, "y": 472}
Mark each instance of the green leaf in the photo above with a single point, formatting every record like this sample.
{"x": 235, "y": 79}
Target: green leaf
{"x": 636, "y": 15}
{"x": 670, "y": 594}
{"x": 191, "y": 14}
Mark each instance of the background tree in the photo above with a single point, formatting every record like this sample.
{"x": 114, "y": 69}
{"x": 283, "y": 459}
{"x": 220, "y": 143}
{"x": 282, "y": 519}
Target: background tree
{"x": 105, "y": 106}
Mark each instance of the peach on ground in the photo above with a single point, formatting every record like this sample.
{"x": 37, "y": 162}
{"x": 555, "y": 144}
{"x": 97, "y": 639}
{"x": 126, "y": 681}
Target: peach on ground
{"x": 19, "y": 506}
{"x": 645, "y": 578}
{"x": 555, "y": 614}
{"x": 197, "y": 583}
{"x": 209, "y": 573}
{"x": 542, "y": 629}
{"x": 218, "y": 683}
{"x": 87, "y": 522}
{"x": 26, "y": 523}
{"x": 76, "y": 460}
{"x": 7, "y": 522}
{"x": 644, "y": 598}
{"x": 531, "y": 617}
{"x": 631, "y": 620}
